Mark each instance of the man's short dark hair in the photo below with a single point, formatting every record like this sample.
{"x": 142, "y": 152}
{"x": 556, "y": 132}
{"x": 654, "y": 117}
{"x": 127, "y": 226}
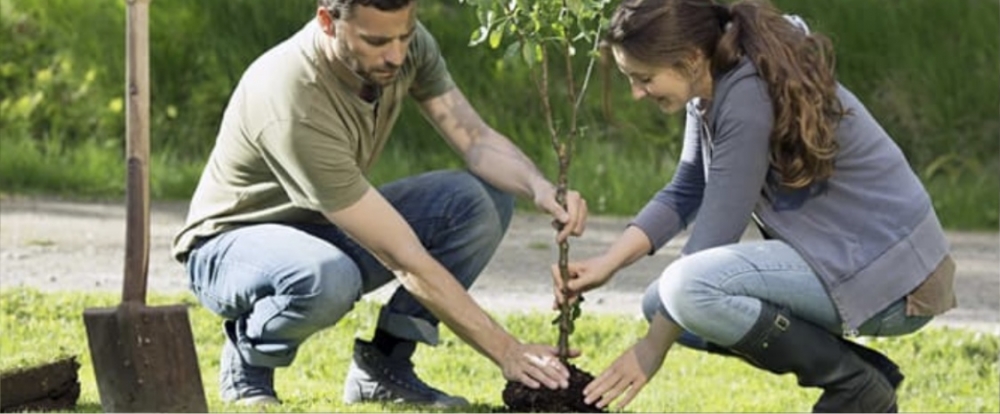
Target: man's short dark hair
{"x": 341, "y": 9}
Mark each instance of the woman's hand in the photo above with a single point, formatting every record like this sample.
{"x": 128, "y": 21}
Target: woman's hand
{"x": 626, "y": 376}
{"x": 596, "y": 271}
{"x": 583, "y": 276}
{"x": 634, "y": 368}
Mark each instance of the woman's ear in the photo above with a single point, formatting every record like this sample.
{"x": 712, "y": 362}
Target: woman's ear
{"x": 698, "y": 69}
{"x": 695, "y": 63}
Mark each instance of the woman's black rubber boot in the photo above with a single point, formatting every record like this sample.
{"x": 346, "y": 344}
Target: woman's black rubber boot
{"x": 782, "y": 343}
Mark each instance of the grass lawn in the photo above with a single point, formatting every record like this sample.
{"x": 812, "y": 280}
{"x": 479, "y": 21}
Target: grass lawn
{"x": 948, "y": 370}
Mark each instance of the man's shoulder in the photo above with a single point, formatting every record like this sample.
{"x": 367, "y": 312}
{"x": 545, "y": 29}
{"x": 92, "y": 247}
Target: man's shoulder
{"x": 284, "y": 82}
{"x": 289, "y": 59}
{"x": 426, "y": 67}
{"x": 424, "y": 45}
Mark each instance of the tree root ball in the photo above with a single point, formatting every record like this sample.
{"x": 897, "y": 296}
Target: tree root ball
{"x": 520, "y": 398}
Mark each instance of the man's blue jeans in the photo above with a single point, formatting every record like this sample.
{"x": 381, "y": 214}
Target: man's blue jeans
{"x": 282, "y": 282}
{"x": 716, "y": 294}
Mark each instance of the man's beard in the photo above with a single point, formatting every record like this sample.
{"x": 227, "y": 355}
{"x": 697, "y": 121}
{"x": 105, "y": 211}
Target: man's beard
{"x": 376, "y": 76}
{"x": 380, "y": 76}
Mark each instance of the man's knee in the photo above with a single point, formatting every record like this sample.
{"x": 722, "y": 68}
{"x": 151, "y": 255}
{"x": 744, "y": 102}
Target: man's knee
{"x": 470, "y": 190}
{"x": 503, "y": 203}
{"x": 485, "y": 204}
{"x": 322, "y": 290}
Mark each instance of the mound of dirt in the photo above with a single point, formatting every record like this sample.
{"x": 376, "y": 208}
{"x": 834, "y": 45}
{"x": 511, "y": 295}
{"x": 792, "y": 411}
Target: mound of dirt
{"x": 520, "y": 398}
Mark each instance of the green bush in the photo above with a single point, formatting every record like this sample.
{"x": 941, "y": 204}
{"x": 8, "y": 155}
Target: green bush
{"x": 50, "y": 94}
{"x": 925, "y": 68}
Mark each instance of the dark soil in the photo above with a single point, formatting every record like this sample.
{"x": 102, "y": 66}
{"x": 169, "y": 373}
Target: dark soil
{"x": 47, "y": 387}
{"x": 520, "y": 398}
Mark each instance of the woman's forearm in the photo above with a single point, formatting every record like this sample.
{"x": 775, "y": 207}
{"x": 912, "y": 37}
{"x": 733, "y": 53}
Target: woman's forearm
{"x": 632, "y": 245}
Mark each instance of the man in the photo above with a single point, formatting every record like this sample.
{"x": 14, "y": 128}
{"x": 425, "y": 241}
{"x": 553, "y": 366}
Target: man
{"x": 285, "y": 233}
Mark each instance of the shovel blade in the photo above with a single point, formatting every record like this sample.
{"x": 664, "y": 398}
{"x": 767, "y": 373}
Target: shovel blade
{"x": 144, "y": 359}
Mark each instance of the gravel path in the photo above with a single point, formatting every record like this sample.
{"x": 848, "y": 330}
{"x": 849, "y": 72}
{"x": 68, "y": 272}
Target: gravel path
{"x": 55, "y": 245}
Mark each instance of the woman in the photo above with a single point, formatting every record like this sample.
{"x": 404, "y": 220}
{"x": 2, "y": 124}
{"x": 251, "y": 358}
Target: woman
{"x": 852, "y": 244}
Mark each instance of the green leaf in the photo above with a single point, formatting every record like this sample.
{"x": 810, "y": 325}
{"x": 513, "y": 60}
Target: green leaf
{"x": 496, "y": 35}
{"x": 576, "y": 309}
{"x": 528, "y": 53}
{"x": 512, "y": 51}
{"x": 479, "y": 35}
{"x": 536, "y": 21}
{"x": 575, "y": 6}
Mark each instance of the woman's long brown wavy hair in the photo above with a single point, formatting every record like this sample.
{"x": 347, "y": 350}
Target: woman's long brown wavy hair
{"x": 797, "y": 67}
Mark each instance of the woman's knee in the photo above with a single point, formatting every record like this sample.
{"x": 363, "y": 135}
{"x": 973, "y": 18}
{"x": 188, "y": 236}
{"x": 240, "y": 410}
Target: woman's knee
{"x": 651, "y": 301}
{"x": 683, "y": 287}
{"x": 652, "y": 305}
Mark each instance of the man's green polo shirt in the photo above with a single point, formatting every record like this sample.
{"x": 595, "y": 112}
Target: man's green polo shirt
{"x": 296, "y": 139}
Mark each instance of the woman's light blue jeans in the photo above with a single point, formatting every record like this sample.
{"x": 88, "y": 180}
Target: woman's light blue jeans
{"x": 716, "y": 294}
{"x": 282, "y": 282}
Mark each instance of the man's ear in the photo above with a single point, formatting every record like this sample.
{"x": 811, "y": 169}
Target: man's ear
{"x": 326, "y": 18}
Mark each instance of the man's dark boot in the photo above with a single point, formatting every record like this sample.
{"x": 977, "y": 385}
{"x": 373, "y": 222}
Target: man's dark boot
{"x": 781, "y": 343}
{"x": 377, "y": 377}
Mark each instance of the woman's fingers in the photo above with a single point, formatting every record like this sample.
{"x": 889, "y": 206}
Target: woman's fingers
{"x": 619, "y": 386}
{"x": 593, "y": 391}
{"x": 629, "y": 395}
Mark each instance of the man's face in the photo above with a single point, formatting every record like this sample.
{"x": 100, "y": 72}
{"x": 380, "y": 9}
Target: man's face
{"x": 667, "y": 87}
{"x": 373, "y": 43}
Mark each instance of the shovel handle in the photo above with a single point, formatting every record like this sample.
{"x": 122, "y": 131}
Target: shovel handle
{"x": 136, "y": 151}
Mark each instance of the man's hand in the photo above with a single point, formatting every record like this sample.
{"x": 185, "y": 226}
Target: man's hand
{"x": 536, "y": 365}
{"x": 496, "y": 159}
{"x": 493, "y": 157}
{"x": 572, "y": 220}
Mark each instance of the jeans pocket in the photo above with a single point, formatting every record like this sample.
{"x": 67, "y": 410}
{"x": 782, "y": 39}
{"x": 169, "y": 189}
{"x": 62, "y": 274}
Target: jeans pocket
{"x": 194, "y": 282}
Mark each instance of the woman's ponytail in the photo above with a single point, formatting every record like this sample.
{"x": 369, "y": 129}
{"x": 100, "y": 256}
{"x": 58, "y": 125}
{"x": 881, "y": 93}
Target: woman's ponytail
{"x": 798, "y": 68}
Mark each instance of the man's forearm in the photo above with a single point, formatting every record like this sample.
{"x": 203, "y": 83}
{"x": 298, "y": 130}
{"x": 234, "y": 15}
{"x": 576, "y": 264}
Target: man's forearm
{"x": 487, "y": 153}
{"x": 431, "y": 285}
{"x": 373, "y": 223}
{"x": 498, "y": 161}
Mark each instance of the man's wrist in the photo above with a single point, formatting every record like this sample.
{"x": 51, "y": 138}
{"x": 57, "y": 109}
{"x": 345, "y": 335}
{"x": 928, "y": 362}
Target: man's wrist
{"x": 540, "y": 186}
{"x": 507, "y": 344}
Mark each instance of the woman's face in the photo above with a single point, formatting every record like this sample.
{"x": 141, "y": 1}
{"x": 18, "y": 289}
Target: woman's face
{"x": 665, "y": 86}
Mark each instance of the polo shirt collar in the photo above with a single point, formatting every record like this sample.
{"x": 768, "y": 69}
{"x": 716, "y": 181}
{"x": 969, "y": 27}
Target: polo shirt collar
{"x": 351, "y": 80}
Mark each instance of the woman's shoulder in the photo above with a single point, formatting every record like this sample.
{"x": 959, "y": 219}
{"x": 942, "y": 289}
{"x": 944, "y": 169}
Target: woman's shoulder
{"x": 741, "y": 88}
